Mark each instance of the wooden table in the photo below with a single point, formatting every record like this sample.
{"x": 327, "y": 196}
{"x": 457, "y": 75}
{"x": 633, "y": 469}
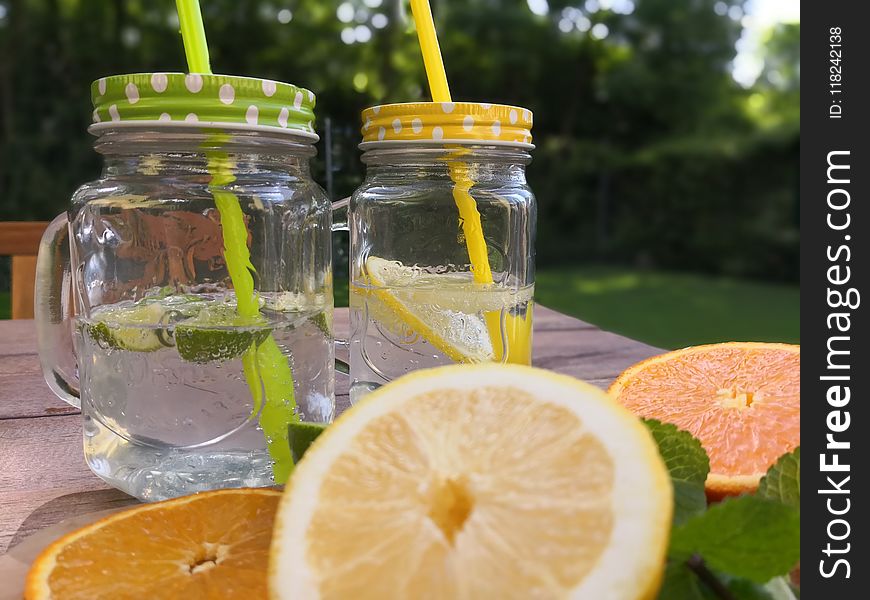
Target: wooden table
{"x": 43, "y": 476}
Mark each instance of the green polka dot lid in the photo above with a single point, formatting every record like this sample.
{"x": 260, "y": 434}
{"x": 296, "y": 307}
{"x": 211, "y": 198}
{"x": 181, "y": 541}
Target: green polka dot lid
{"x": 198, "y": 100}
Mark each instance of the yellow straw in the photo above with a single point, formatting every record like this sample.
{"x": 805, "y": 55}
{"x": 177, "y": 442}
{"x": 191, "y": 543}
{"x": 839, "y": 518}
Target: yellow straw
{"x": 434, "y": 63}
{"x": 432, "y": 59}
{"x": 266, "y": 369}
{"x": 517, "y": 330}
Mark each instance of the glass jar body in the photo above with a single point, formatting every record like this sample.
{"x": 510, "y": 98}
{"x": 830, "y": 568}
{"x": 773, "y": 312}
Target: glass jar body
{"x": 183, "y": 390}
{"x": 420, "y": 293}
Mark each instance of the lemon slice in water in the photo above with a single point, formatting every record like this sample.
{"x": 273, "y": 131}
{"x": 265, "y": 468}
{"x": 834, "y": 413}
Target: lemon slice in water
{"x": 443, "y": 308}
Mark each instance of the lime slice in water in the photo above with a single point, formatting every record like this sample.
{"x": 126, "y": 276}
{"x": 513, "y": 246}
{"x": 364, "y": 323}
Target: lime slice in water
{"x": 218, "y": 333}
{"x": 323, "y": 321}
{"x": 301, "y": 435}
{"x": 135, "y": 328}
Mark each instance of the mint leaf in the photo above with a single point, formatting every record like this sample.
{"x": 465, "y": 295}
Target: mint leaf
{"x": 783, "y": 480}
{"x": 692, "y": 580}
{"x": 689, "y": 500}
{"x": 749, "y": 537}
{"x": 775, "y": 589}
{"x": 687, "y": 464}
{"x": 683, "y": 454}
{"x": 681, "y": 583}
{"x": 743, "y": 589}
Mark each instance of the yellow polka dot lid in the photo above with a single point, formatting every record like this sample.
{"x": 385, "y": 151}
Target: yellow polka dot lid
{"x": 447, "y": 122}
{"x": 199, "y": 100}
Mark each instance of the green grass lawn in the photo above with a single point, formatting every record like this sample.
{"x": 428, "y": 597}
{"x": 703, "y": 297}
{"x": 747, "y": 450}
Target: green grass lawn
{"x": 664, "y": 309}
{"x": 672, "y": 310}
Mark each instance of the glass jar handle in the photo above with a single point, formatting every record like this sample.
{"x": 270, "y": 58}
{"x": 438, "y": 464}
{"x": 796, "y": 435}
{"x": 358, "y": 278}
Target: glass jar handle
{"x": 53, "y": 311}
{"x": 340, "y": 207}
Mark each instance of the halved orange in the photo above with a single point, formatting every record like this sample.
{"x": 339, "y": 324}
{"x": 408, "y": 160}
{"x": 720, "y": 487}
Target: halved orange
{"x": 208, "y": 545}
{"x": 740, "y": 399}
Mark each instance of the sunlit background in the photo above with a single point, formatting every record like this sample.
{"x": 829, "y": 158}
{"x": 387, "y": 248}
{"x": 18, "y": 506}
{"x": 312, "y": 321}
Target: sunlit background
{"x": 667, "y": 131}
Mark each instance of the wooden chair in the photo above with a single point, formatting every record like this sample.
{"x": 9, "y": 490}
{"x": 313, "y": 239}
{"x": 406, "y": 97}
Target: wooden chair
{"x": 20, "y": 240}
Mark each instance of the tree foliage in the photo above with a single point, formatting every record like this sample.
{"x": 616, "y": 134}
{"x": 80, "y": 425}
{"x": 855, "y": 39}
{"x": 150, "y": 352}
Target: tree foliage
{"x": 647, "y": 149}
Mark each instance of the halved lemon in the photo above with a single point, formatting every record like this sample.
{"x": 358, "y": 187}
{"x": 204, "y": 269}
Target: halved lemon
{"x": 476, "y": 481}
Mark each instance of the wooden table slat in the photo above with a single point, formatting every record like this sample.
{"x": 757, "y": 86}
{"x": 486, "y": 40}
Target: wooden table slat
{"x": 43, "y": 476}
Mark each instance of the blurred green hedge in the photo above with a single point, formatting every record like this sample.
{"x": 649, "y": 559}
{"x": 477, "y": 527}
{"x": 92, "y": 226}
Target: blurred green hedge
{"x": 727, "y": 206}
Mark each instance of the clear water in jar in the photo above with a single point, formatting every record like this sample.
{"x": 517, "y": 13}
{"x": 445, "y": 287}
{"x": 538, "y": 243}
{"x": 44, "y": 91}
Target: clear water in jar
{"x": 168, "y": 408}
{"x": 408, "y": 318}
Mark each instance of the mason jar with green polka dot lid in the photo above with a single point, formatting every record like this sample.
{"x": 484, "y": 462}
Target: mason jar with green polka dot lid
{"x": 173, "y": 100}
{"x": 442, "y": 240}
{"x": 184, "y": 300}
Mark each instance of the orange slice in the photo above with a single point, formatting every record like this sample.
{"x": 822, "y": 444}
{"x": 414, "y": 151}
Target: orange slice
{"x": 741, "y": 399}
{"x": 209, "y": 545}
{"x": 483, "y": 481}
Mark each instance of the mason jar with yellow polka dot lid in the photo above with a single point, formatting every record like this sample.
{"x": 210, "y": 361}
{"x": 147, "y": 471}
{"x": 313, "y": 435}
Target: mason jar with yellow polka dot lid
{"x": 442, "y": 240}
{"x": 184, "y": 300}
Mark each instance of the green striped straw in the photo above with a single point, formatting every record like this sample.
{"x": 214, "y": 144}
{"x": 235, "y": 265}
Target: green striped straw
{"x": 267, "y": 370}
{"x": 193, "y": 36}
